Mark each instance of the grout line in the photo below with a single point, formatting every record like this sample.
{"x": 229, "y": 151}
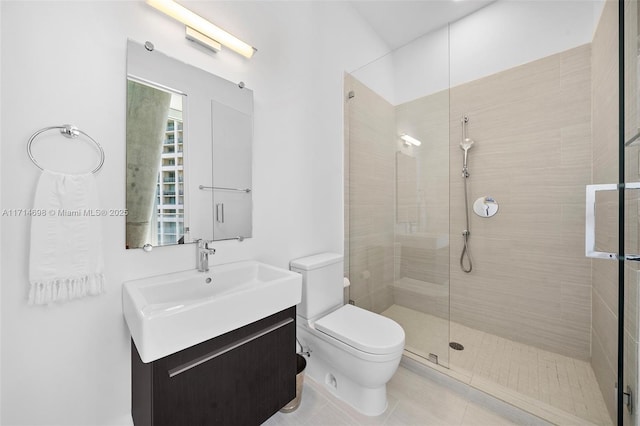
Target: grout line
{"x": 530, "y": 373}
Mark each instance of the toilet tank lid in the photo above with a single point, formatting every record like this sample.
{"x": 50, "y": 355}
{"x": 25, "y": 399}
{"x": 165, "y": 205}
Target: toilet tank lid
{"x": 316, "y": 261}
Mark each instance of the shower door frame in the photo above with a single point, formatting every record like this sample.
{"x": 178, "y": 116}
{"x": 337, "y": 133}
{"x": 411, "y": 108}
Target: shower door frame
{"x": 624, "y": 391}
{"x": 621, "y": 212}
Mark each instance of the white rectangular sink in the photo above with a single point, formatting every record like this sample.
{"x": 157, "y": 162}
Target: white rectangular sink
{"x": 168, "y": 313}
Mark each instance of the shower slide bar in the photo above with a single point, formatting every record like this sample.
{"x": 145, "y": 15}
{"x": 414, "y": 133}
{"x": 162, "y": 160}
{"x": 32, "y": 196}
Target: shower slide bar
{"x": 465, "y": 145}
{"x": 590, "y": 221}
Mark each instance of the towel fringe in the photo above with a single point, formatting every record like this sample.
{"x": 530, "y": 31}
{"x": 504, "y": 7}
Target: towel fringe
{"x": 60, "y": 290}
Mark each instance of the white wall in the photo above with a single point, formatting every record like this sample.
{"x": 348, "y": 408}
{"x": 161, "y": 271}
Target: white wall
{"x": 422, "y": 66}
{"x": 65, "y": 62}
{"x": 510, "y": 33}
{"x": 502, "y": 35}
{"x": 379, "y": 76}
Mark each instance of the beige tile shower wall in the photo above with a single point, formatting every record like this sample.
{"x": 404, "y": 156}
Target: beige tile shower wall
{"x": 427, "y": 119}
{"x": 532, "y": 125}
{"x": 605, "y": 170}
{"x": 406, "y": 189}
{"x": 371, "y": 196}
{"x": 423, "y": 247}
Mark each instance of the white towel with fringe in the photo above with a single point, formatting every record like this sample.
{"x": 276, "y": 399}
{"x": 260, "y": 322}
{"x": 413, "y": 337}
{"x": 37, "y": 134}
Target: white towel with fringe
{"x": 66, "y": 239}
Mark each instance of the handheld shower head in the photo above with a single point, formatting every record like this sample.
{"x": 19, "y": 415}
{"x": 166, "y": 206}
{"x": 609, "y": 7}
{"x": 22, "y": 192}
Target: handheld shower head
{"x": 466, "y": 145}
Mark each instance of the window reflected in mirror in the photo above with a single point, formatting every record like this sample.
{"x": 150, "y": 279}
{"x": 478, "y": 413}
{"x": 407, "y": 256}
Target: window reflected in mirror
{"x": 169, "y": 210}
{"x": 155, "y": 166}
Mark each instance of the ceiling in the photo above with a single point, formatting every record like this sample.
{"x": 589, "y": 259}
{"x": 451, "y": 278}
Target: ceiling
{"x": 398, "y": 22}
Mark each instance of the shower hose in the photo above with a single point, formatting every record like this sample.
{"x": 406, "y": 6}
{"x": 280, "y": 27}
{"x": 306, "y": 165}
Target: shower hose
{"x": 465, "y": 234}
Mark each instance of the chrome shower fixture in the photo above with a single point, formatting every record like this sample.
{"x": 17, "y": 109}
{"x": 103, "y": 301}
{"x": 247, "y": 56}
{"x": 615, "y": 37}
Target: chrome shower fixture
{"x": 465, "y": 145}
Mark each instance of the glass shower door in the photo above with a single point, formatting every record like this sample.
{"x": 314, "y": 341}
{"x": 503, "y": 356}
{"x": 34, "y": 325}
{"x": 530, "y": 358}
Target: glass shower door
{"x": 612, "y": 231}
{"x": 397, "y": 191}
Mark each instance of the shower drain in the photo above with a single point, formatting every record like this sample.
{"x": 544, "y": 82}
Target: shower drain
{"x": 456, "y": 346}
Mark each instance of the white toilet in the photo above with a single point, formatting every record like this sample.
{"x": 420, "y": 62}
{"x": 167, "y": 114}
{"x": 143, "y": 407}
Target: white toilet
{"x": 354, "y": 352}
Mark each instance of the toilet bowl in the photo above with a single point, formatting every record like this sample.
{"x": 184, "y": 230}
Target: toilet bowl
{"x": 353, "y": 352}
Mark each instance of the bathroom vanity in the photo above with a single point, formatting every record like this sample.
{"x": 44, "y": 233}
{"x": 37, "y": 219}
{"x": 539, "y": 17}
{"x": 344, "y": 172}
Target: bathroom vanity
{"x": 242, "y": 377}
{"x": 214, "y": 347}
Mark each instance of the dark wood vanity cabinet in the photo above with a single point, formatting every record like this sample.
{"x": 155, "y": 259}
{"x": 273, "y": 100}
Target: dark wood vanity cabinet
{"x": 240, "y": 378}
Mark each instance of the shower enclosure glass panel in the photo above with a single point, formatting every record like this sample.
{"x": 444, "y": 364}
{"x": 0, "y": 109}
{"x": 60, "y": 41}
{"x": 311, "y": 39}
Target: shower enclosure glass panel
{"x": 630, "y": 274}
{"x": 536, "y": 320}
{"x": 397, "y": 192}
{"x": 614, "y": 241}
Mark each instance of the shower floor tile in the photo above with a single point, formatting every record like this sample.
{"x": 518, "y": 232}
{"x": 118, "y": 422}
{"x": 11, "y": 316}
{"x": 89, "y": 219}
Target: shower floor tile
{"x": 562, "y": 382}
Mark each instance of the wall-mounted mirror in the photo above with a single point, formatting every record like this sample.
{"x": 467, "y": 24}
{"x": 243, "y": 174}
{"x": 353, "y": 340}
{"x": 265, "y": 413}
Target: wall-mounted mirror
{"x": 155, "y": 166}
{"x": 189, "y": 152}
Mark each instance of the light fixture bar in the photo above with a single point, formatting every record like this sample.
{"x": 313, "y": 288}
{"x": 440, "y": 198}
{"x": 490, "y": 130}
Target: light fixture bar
{"x": 409, "y": 140}
{"x": 198, "y": 23}
{"x": 201, "y": 39}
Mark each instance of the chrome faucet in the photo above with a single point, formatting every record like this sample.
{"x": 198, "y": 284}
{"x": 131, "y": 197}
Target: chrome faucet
{"x": 202, "y": 254}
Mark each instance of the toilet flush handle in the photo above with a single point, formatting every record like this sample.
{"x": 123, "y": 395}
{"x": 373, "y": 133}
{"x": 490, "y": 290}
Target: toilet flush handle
{"x": 303, "y": 350}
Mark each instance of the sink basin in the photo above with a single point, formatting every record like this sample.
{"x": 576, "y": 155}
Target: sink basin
{"x": 168, "y": 313}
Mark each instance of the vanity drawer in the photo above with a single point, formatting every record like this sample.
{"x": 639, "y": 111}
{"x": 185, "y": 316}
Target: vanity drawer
{"x": 242, "y": 377}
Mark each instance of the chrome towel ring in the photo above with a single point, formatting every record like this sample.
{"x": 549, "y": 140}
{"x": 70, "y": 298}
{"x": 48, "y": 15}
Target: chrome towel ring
{"x": 69, "y": 131}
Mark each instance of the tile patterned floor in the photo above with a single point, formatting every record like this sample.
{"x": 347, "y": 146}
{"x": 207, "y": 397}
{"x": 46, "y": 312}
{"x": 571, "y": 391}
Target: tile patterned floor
{"x": 562, "y": 382}
{"x": 415, "y": 398}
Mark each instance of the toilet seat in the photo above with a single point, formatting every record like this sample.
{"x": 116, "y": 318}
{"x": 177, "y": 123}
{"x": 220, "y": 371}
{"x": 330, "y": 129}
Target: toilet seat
{"x": 363, "y": 330}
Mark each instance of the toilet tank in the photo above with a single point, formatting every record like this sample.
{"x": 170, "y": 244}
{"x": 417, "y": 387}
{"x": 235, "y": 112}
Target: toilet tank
{"x": 322, "y": 283}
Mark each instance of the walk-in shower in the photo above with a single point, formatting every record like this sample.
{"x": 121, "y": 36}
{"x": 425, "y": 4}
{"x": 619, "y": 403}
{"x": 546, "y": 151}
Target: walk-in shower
{"x": 531, "y": 318}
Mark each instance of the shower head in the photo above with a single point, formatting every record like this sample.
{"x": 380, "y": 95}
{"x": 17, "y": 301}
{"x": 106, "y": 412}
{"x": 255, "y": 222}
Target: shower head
{"x": 466, "y": 144}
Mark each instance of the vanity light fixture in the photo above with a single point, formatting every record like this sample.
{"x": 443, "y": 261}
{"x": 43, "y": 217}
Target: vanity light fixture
{"x": 201, "y": 39}
{"x": 408, "y": 140}
{"x": 202, "y": 31}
